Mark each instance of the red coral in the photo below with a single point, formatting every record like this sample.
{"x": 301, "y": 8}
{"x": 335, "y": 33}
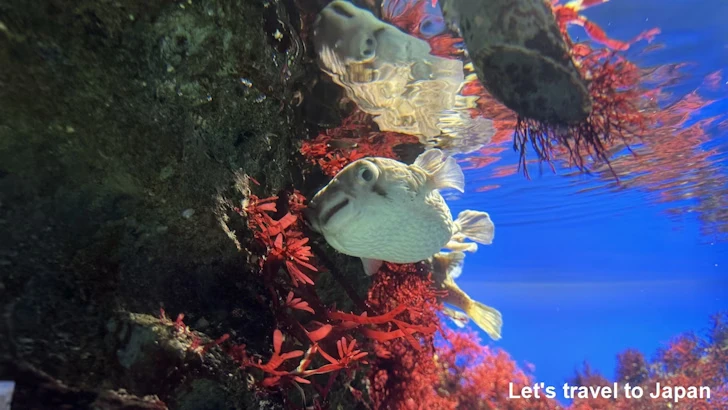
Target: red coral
{"x": 460, "y": 373}
{"x": 568, "y": 14}
{"x": 402, "y": 377}
{"x": 256, "y": 210}
{"x": 283, "y": 239}
{"x": 347, "y": 355}
{"x": 405, "y": 330}
{"x": 319, "y": 333}
{"x": 295, "y": 255}
{"x": 479, "y": 377}
{"x": 276, "y": 360}
{"x": 296, "y": 202}
{"x": 632, "y": 367}
{"x": 688, "y": 360}
{"x": 352, "y": 140}
{"x": 298, "y": 303}
{"x": 279, "y": 374}
{"x": 195, "y": 340}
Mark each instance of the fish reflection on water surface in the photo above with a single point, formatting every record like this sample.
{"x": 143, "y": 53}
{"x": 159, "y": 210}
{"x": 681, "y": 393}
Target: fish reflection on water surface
{"x": 392, "y": 76}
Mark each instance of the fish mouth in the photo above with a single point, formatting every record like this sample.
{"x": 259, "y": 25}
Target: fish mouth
{"x": 333, "y": 210}
{"x": 327, "y": 203}
{"x": 309, "y": 215}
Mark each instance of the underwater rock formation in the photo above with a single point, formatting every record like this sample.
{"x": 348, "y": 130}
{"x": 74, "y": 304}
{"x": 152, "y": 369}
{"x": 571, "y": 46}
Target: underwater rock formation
{"x": 521, "y": 58}
{"x": 120, "y": 123}
{"x": 121, "y": 132}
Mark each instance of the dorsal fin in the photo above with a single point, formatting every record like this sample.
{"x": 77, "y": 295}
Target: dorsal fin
{"x": 444, "y": 172}
{"x": 430, "y": 160}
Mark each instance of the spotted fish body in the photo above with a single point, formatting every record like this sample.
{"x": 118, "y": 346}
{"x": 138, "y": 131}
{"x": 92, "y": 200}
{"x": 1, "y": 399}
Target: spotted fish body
{"x": 379, "y": 209}
{"x": 404, "y": 210}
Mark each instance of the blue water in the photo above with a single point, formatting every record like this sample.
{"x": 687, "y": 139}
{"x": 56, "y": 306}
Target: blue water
{"x": 577, "y": 284}
{"x": 584, "y": 275}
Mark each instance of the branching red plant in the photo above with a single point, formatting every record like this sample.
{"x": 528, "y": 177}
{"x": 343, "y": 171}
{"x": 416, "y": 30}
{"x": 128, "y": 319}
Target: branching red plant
{"x": 688, "y": 360}
{"x": 282, "y": 238}
{"x": 195, "y": 341}
{"x": 276, "y": 375}
{"x": 478, "y": 377}
{"x": 301, "y": 315}
{"x": 401, "y": 377}
{"x": 355, "y": 138}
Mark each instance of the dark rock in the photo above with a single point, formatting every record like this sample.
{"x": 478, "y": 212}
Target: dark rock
{"x": 117, "y": 117}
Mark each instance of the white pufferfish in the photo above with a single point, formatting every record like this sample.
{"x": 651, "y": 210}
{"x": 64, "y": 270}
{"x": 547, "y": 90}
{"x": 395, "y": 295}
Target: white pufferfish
{"x": 380, "y": 209}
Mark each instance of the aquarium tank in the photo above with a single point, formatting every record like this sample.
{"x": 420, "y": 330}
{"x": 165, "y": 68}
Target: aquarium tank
{"x": 364, "y": 204}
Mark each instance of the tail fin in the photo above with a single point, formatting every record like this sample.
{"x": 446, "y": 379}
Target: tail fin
{"x": 476, "y": 226}
{"x": 487, "y": 318}
{"x": 444, "y": 172}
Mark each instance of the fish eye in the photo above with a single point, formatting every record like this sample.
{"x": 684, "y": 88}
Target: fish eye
{"x": 368, "y": 48}
{"x": 366, "y": 174}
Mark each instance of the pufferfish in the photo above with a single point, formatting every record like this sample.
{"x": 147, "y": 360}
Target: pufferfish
{"x": 380, "y": 209}
{"x": 446, "y": 267}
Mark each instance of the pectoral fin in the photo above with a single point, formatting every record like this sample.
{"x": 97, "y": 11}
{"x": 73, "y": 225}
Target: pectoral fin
{"x": 462, "y": 247}
{"x": 444, "y": 172}
{"x": 459, "y": 318}
{"x": 371, "y": 266}
{"x": 449, "y": 264}
{"x": 476, "y": 226}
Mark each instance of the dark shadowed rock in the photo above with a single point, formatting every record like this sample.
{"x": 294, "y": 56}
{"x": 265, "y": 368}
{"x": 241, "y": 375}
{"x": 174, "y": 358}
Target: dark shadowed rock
{"x": 117, "y": 119}
{"x": 521, "y": 57}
